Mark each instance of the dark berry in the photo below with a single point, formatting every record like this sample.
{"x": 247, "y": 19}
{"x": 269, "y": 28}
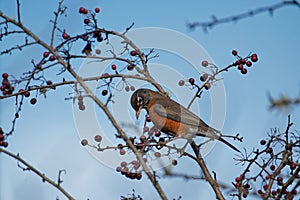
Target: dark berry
{"x": 249, "y": 63}
{"x": 33, "y": 101}
{"x": 132, "y": 88}
{"x": 26, "y": 93}
{"x": 263, "y": 142}
{"x": 49, "y": 82}
{"x": 203, "y": 77}
{"x": 254, "y": 58}
{"x": 127, "y": 88}
{"x": 104, "y": 92}
{"x": 204, "y": 63}
{"x": 86, "y": 21}
{"x": 234, "y": 52}
{"x": 133, "y": 53}
{"x": 98, "y": 138}
{"x": 244, "y": 71}
{"x": 84, "y": 142}
{"x": 192, "y": 81}
{"x": 97, "y": 10}
{"x": 46, "y": 54}
{"x": 130, "y": 67}
{"x": 181, "y": 83}
{"x": 272, "y": 167}
{"x": 4, "y": 75}
{"x": 207, "y": 86}
{"x": 65, "y": 36}
{"x": 51, "y": 58}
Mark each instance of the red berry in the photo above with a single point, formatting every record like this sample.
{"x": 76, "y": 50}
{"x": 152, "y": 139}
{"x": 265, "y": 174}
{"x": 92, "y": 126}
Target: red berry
{"x": 279, "y": 179}
{"x": 148, "y": 119}
{"x": 249, "y": 64}
{"x": 203, "y": 77}
{"x": 254, "y": 58}
{"x": 4, "y": 144}
{"x": 33, "y": 101}
{"x": 49, "y": 82}
{"x": 4, "y": 75}
{"x": 244, "y": 71}
{"x": 204, "y": 63}
{"x": 288, "y": 147}
{"x": 98, "y": 138}
{"x": 157, "y": 154}
{"x": 263, "y": 142}
{"x": 97, "y": 10}
{"x": 240, "y": 67}
{"x": 237, "y": 62}
{"x": 1, "y": 137}
{"x": 234, "y": 52}
{"x": 265, "y": 187}
{"x": 260, "y": 192}
{"x": 65, "y": 36}
{"x": 293, "y": 166}
{"x": 84, "y": 142}
{"x": 82, "y": 10}
{"x": 132, "y": 88}
{"x": 127, "y": 88}
{"x": 138, "y": 176}
{"x": 243, "y": 61}
{"x": 114, "y": 67}
{"x": 123, "y": 164}
{"x": 104, "y": 92}
{"x": 157, "y": 133}
{"x": 237, "y": 179}
{"x": 118, "y": 169}
{"x": 133, "y": 53}
{"x": 192, "y": 81}
{"x": 268, "y": 177}
{"x": 272, "y": 167}
{"x": 51, "y": 58}
{"x": 122, "y": 151}
{"x": 46, "y": 54}
{"x": 181, "y": 83}
{"x": 26, "y": 93}
{"x": 86, "y": 21}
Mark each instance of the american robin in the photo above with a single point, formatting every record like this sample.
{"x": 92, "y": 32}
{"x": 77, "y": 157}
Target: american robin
{"x": 171, "y": 117}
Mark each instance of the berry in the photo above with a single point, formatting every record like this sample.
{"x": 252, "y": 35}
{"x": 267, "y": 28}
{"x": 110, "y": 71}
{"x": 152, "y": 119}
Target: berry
{"x": 272, "y": 167}
{"x": 122, "y": 151}
{"x": 132, "y": 88}
{"x": 288, "y": 147}
{"x": 98, "y": 51}
{"x": 26, "y": 93}
{"x": 269, "y": 150}
{"x": 1, "y": 137}
{"x": 114, "y": 67}
{"x": 268, "y": 177}
{"x": 65, "y": 36}
{"x": 174, "y": 162}
{"x": 157, "y": 154}
{"x": 33, "y": 101}
{"x": 293, "y": 166}
{"x": 234, "y": 52}
{"x": 97, "y": 10}
{"x": 49, "y": 82}
{"x": 82, "y": 10}
{"x": 133, "y": 53}
{"x": 86, "y": 21}
{"x": 244, "y": 71}
{"x": 148, "y": 119}
{"x": 138, "y": 176}
{"x": 46, "y": 54}
{"x": 84, "y": 142}
{"x": 120, "y": 146}
{"x": 130, "y": 67}
{"x": 249, "y": 63}
{"x": 203, "y": 77}
{"x": 118, "y": 169}
{"x": 265, "y": 187}
{"x": 207, "y": 86}
{"x": 157, "y": 133}
{"x": 51, "y": 58}
{"x": 263, "y": 142}
{"x": 81, "y": 107}
{"x": 204, "y": 63}
{"x": 98, "y": 138}
{"x": 127, "y": 88}
{"x": 4, "y": 75}
{"x": 104, "y": 92}
{"x": 100, "y": 38}
{"x": 243, "y": 61}
{"x": 279, "y": 179}
{"x": 123, "y": 164}
{"x": 254, "y": 57}
{"x": 181, "y": 83}
{"x": 192, "y": 81}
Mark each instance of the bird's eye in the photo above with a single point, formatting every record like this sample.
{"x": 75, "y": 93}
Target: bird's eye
{"x": 139, "y": 101}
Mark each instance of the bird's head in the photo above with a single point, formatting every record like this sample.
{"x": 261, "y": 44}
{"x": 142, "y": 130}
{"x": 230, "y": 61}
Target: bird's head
{"x": 139, "y": 100}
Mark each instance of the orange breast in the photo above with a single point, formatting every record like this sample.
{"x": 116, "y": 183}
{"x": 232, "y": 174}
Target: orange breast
{"x": 165, "y": 124}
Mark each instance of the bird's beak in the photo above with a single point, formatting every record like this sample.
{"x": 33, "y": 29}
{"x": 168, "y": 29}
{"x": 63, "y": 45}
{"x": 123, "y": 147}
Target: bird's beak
{"x": 137, "y": 114}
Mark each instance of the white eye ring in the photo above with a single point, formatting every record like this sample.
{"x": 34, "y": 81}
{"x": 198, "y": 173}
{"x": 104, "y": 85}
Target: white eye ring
{"x": 139, "y": 101}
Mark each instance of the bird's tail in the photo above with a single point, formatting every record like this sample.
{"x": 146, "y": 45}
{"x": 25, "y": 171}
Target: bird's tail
{"x": 214, "y": 134}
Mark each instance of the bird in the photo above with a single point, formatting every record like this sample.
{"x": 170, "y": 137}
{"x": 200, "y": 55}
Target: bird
{"x": 171, "y": 117}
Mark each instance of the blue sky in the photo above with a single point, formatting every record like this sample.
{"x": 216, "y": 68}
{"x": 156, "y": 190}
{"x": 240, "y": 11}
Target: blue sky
{"x": 46, "y": 133}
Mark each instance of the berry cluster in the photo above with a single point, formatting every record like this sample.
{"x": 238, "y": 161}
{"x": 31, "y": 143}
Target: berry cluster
{"x": 129, "y": 170}
{"x": 3, "y": 143}
{"x": 244, "y": 187}
{"x": 242, "y": 62}
{"x": 6, "y": 87}
{"x": 80, "y": 103}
